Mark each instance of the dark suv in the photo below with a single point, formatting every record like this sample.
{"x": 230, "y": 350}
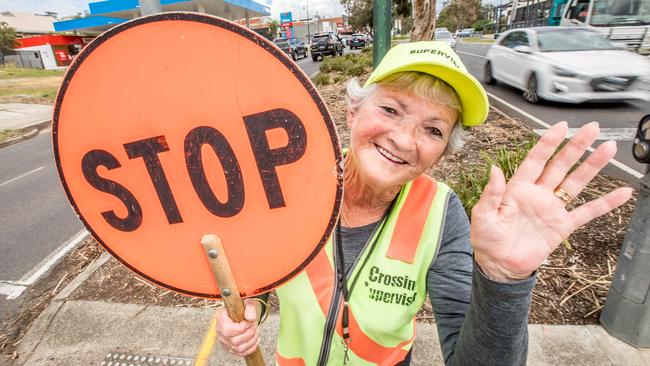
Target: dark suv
{"x": 357, "y": 41}
{"x": 292, "y": 47}
{"x": 325, "y": 44}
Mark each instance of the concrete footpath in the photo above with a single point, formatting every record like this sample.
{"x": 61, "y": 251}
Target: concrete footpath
{"x": 27, "y": 119}
{"x": 73, "y": 332}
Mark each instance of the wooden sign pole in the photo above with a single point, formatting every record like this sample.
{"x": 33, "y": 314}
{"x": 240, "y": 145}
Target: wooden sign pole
{"x": 228, "y": 288}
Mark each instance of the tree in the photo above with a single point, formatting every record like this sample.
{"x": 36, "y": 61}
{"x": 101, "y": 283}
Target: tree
{"x": 7, "y": 40}
{"x": 273, "y": 29}
{"x": 360, "y": 13}
{"x": 459, "y": 14}
{"x": 424, "y": 20}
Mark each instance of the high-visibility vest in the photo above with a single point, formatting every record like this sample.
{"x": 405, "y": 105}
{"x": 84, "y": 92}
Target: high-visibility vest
{"x": 387, "y": 284}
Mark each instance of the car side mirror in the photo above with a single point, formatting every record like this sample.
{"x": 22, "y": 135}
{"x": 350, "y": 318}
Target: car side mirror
{"x": 523, "y": 49}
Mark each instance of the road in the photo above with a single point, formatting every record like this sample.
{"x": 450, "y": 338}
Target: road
{"x": 616, "y": 119}
{"x": 37, "y": 224}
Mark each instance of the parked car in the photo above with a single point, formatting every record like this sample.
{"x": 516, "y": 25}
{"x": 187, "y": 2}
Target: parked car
{"x": 467, "y": 32}
{"x": 566, "y": 64}
{"x": 447, "y": 37}
{"x": 292, "y": 47}
{"x": 346, "y": 40}
{"x": 325, "y": 43}
{"x": 357, "y": 41}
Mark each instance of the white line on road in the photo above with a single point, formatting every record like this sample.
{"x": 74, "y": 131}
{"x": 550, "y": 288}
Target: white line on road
{"x": 614, "y": 162}
{"x": 21, "y": 176}
{"x": 314, "y": 74}
{"x": 616, "y": 134}
{"x": 14, "y": 289}
{"x": 471, "y": 54}
{"x": 303, "y": 61}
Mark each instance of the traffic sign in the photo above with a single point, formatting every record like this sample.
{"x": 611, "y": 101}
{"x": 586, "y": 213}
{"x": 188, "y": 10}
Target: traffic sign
{"x": 177, "y": 125}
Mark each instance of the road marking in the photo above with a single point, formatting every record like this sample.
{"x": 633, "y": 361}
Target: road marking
{"x": 303, "y": 61}
{"x": 13, "y": 289}
{"x": 314, "y": 74}
{"x": 471, "y": 54}
{"x": 21, "y": 176}
{"x": 614, "y": 162}
{"x": 616, "y": 134}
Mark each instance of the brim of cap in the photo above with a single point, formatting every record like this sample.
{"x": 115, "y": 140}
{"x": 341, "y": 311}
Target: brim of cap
{"x": 473, "y": 99}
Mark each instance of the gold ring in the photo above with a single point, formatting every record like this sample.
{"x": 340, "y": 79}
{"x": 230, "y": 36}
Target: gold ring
{"x": 564, "y": 195}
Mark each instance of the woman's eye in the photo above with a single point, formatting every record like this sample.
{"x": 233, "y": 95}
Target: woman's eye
{"x": 389, "y": 109}
{"x": 434, "y": 131}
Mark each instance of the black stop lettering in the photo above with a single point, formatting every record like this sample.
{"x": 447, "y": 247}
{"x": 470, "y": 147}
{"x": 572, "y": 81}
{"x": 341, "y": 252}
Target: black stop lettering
{"x": 194, "y": 140}
{"x": 148, "y": 150}
{"x": 268, "y": 159}
{"x": 89, "y": 164}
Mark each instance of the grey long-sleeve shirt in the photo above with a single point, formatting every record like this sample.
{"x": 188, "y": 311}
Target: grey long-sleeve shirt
{"x": 480, "y": 322}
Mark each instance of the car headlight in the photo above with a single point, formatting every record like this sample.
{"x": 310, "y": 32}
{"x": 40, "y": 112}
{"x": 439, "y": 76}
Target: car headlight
{"x": 563, "y": 72}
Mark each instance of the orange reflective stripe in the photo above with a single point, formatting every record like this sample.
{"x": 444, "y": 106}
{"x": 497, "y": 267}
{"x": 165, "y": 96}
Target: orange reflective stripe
{"x": 296, "y": 361}
{"x": 366, "y": 348}
{"x": 321, "y": 277}
{"x": 411, "y": 220}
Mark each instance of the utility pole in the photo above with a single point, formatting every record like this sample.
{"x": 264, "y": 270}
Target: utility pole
{"x": 626, "y": 315}
{"x": 308, "y": 21}
{"x": 381, "y": 24}
{"x": 148, "y": 7}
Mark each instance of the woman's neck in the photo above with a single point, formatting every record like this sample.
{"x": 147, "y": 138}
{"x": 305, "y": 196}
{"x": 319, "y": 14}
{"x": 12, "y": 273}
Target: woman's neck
{"x": 363, "y": 204}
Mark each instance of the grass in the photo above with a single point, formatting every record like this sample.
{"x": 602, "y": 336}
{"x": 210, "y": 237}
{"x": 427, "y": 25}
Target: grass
{"x": 8, "y": 134}
{"x": 20, "y": 85}
{"x": 477, "y": 40}
{"x": 471, "y": 181}
{"x": 337, "y": 69}
{"x": 10, "y": 71}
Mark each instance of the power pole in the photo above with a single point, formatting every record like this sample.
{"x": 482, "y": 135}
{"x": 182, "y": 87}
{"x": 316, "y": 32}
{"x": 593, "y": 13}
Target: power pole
{"x": 626, "y": 315}
{"x": 148, "y": 7}
{"x": 381, "y": 24}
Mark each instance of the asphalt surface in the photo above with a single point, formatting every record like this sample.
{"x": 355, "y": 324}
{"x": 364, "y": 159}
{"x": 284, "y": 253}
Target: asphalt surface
{"x": 620, "y": 116}
{"x": 35, "y": 217}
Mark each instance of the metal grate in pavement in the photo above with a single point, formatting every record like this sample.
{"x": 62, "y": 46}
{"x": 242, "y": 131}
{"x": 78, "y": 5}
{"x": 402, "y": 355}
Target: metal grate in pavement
{"x": 127, "y": 359}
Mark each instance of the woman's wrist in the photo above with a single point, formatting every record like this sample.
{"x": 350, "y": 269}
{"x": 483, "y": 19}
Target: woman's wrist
{"x": 497, "y": 273}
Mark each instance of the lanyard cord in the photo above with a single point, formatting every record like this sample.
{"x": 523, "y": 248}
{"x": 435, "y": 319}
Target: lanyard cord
{"x": 342, "y": 278}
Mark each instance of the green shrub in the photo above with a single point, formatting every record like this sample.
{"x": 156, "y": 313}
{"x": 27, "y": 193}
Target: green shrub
{"x": 366, "y": 50}
{"x": 339, "y": 78}
{"x": 471, "y": 182}
{"x": 322, "y": 78}
{"x": 357, "y": 69}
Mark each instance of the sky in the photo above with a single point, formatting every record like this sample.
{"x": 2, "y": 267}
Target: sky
{"x": 323, "y": 8}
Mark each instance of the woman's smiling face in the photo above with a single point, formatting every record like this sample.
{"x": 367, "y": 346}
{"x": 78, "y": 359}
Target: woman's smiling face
{"x": 395, "y": 136}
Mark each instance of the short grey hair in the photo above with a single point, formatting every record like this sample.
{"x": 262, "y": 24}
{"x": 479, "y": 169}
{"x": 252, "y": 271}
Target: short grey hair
{"x": 423, "y": 85}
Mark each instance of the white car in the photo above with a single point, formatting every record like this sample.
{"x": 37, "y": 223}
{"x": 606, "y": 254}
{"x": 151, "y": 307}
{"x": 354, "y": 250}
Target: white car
{"x": 444, "y": 35}
{"x": 566, "y": 64}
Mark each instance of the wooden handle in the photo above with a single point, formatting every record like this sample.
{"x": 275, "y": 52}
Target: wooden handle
{"x": 227, "y": 286}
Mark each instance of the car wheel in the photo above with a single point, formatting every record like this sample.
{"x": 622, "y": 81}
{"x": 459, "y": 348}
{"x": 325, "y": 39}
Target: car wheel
{"x": 530, "y": 94}
{"x": 487, "y": 74}
{"x": 314, "y": 58}
{"x": 294, "y": 56}
{"x": 341, "y": 52}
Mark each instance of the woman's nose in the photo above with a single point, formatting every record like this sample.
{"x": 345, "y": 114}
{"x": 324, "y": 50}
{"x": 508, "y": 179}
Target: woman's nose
{"x": 404, "y": 136}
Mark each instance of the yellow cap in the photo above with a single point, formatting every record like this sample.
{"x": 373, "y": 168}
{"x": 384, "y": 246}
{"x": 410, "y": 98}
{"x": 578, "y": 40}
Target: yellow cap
{"x": 437, "y": 59}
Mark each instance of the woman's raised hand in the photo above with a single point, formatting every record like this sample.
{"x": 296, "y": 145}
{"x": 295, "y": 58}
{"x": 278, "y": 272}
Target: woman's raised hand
{"x": 240, "y": 338}
{"x": 517, "y": 225}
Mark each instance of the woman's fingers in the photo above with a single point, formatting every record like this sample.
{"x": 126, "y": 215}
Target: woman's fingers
{"x": 248, "y": 347}
{"x": 576, "y": 181}
{"x": 533, "y": 166}
{"x": 493, "y": 192}
{"x": 592, "y": 209}
{"x": 565, "y": 159}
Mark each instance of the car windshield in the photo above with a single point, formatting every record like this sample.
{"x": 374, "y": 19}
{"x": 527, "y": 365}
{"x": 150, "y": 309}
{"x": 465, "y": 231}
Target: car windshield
{"x": 443, "y": 35}
{"x": 319, "y": 38}
{"x": 571, "y": 40}
{"x": 607, "y": 13}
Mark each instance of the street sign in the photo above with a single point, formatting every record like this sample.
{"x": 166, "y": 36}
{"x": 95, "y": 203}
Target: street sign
{"x": 286, "y": 17}
{"x": 177, "y": 125}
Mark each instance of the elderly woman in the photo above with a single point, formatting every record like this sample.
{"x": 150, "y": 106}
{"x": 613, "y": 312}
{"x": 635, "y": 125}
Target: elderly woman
{"x": 403, "y": 236}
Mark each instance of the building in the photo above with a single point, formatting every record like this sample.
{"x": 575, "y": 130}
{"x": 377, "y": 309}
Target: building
{"x": 109, "y": 13}
{"x": 27, "y": 24}
{"x": 47, "y": 51}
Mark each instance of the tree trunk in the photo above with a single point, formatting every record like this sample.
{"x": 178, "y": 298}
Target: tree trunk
{"x": 424, "y": 20}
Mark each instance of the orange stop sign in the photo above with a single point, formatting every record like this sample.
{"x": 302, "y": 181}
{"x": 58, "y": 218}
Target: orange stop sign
{"x": 176, "y": 125}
